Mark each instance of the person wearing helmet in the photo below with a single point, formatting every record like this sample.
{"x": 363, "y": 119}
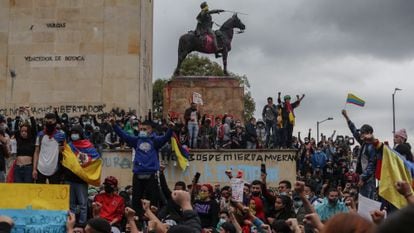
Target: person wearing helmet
{"x": 367, "y": 157}
{"x": 109, "y": 205}
{"x": 288, "y": 118}
{"x": 205, "y": 24}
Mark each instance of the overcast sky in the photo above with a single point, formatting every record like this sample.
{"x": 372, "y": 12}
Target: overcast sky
{"x": 322, "y": 48}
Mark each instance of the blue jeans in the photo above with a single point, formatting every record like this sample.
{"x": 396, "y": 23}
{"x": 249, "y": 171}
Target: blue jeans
{"x": 192, "y": 134}
{"x": 250, "y": 145}
{"x": 23, "y": 173}
{"x": 368, "y": 189}
{"x": 79, "y": 199}
{"x": 271, "y": 125}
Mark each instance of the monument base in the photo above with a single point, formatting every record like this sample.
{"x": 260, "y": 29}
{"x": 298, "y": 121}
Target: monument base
{"x": 215, "y": 95}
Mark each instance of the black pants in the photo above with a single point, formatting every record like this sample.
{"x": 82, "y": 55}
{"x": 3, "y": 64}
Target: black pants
{"x": 289, "y": 132}
{"x": 144, "y": 188}
{"x": 53, "y": 179}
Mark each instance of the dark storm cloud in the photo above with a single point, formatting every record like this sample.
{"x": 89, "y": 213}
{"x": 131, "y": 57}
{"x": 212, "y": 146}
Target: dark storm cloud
{"x": 380, "y": 28}
{"x": 323, "y": 48}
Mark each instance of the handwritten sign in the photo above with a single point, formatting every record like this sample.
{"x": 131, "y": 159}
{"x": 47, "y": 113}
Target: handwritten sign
{"x": 212, "y": 164}
{"x": 237, "y": 186}
{"x": 35, "y": 207}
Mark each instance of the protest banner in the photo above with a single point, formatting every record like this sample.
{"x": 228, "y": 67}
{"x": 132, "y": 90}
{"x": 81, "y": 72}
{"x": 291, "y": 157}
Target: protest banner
{"x": 212, "y": 164}
{"x": 35, "y": 207}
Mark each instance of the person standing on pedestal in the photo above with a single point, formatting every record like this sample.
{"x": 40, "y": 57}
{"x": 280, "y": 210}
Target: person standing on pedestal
{"x": 288, "y": 115}
{"x": 146, "y": 163}
{"x": 192, "y": 117}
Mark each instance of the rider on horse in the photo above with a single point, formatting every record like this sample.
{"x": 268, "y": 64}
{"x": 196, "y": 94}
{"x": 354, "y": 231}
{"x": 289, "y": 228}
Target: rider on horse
{"x": 205, "y": 25}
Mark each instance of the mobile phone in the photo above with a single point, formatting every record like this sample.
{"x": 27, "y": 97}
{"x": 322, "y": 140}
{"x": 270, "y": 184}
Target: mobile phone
{"x": 263, "y": 168}
{"x": 197, "y": 177}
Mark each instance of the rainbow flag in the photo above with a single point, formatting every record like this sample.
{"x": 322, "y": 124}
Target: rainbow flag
{"x": 87, "y": 168}
{"x": 35, "y": 207}
{"x": 353, "y": 99}
{"x": 394, "y": 167}
{"x": 181, "y": 153}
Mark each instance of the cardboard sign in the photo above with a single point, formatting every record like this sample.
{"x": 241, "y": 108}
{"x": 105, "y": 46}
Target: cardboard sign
{"x": 237, "y": 186}
{"x": 35, "y": 207}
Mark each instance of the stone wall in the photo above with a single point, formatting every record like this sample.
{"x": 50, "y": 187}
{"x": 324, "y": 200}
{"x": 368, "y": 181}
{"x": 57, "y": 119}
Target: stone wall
{"x": 76, "y": 53}
{"x": 220, "y": 95}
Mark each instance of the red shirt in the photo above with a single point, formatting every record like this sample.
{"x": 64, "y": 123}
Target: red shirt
{"x": 112, "y": 206}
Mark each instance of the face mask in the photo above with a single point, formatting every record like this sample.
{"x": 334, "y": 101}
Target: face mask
{"x": 222, "y": 220}
{"x": 74, "y": 137}
{"x": 203, "y": 195}
{"x": 283, "y": 193}
{"x": 297, "y": 204}
{"x": 255, "y": 193}
{"x": 142, "y": 134}
{"x": 50, "y": 127}
{"x": 333, "y": 201}
{"x": 108, "y": 189}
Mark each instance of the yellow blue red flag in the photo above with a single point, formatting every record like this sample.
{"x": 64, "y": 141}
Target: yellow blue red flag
{"x": 83, "y": 160}
{"x": 394, "y": 167}
{"x": 181, "y": 153}
{"x": 353, "y": 99}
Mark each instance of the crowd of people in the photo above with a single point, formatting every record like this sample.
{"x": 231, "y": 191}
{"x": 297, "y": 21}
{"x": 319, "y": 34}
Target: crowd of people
{"x": 324, "y": 198}
{"x": 274, "y": 130}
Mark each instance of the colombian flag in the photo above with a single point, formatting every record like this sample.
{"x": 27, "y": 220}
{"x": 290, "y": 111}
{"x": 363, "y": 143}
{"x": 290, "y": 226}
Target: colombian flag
{"x": 394, "y": 167}
{"x": 35, "y": 207}
{"x": 88, "y": 168}
{"x": 181, "y": 153}
{"x": 353, "y": 99}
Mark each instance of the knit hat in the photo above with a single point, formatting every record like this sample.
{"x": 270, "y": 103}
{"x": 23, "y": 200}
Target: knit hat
{"x": 401, "y": 133}
{"x": 5, "y": 227}
{"x": 100, "y": 225}
{"x": 111, "y": 181}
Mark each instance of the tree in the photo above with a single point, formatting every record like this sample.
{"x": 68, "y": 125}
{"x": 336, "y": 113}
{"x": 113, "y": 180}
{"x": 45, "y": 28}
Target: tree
{"x": 158, "y": 97}
{"x": 195, "y": 65}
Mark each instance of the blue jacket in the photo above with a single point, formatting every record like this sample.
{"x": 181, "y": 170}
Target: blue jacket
{"x": 318, "y": 159}
{"x": 146, "y": 150}
{"x": 367, "y": 158}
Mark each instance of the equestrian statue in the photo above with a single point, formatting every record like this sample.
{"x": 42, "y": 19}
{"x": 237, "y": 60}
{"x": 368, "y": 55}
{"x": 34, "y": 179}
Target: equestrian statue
{"x": 205, "y": 40}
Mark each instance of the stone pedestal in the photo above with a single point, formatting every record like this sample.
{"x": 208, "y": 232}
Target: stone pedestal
{"x": 220, "y": 95}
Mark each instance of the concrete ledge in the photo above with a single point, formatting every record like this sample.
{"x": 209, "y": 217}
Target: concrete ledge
{"x": 280, "y": 165}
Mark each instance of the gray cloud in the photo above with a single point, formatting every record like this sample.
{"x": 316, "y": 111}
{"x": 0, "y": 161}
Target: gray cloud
{"x": 323, "y": 48}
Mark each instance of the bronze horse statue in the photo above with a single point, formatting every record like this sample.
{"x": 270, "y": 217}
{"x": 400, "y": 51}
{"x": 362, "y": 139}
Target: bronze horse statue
{"x": 191, "y": 42}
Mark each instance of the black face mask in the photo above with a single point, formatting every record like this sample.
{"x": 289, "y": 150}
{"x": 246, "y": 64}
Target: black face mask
{"x": 256, "y": 194}
{"x": 50, "y": 127}
{"x": 109, "y": 189}
{"x": 333, "y": 202}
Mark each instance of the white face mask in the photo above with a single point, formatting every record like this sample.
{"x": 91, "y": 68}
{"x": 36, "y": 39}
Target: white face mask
{"x": 222, "y": 220}
{"x": 143, "y": 134}
{"x": 75, "y": 137}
